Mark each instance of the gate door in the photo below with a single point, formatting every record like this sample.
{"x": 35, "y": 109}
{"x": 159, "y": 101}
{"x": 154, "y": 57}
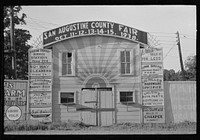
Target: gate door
{"x": 89, "y": 102}
{"x": 98, "y": 106}
{"x": 106, "y": 107}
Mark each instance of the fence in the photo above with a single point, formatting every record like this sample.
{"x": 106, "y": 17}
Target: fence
{"x": 180, "y": 101}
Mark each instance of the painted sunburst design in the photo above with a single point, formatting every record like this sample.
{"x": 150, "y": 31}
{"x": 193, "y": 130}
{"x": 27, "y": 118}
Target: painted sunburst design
{"x": 96, "y": 58}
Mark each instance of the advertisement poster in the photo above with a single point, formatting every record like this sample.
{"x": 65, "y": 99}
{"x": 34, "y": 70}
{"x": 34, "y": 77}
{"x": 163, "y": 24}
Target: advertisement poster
{"x": 41, "y": 114}
{"x": 40, "y": 56}
{"x": 40, "y": 99}
{"x": 154, "y": 115}
{"x": 153, "y": 98}
{"x": 152, "y": 69}
{"x": 40, "y": 69}
{"x": 152, "y": 55}
{"x": 40, "y": 84}
{"x": 152, "y": 83}
{"x": 15, "y": 99}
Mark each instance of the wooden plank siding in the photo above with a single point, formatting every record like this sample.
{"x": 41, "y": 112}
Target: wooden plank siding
{"x": 180, "y": 101}
{"x": 96, "y": 56}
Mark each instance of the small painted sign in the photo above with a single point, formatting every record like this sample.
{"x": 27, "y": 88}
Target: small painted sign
{"x": 93, "y": 28}
{"x": 152, "y": 55}
{"x": 41, "y": 114}
{"x": 40, "y": 84}
{"x": 152, "y": 83}
{"x": 13, "y": 113}
{"x": 154, "y": 115}
{"x": 152, "y": 69}
{"x": 40, "y": 56}
{"x": 40, "y": 69}
{"x": 40, "y": 99}
{"x": 153, "y": 98}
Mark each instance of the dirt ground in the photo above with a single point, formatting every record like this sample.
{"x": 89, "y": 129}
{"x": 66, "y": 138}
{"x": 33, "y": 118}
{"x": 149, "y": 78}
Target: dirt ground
{"x": 98, "y": 131}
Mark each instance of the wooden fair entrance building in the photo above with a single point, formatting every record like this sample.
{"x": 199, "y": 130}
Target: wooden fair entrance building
{"x": 96, "y": 72}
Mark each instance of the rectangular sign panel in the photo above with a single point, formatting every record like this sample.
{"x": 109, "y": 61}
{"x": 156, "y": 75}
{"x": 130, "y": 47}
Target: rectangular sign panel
{"x": 40, "y": 56}
{"x": 40, "y": 87}
{"x": 152, "y": 55}
{"x": 40, "y": 69}
{"x": 41, "y": 114}
{"x": 93, "y": 28}
{"x": 154, "y": 115}
{"x": 152, "y": 69}
{"x": 40, "y": 99}
{"x": 153, "y": 98}
{"x": 15, "y": 99}
{"x": 152, "y": 83}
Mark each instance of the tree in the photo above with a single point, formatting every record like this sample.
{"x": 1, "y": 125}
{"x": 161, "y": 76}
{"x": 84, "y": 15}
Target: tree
{"x": 190, "y": 68}
{"x": 21, "y": 38}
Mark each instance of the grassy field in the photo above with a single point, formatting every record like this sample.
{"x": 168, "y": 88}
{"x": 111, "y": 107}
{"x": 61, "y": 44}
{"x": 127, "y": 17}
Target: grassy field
{"x": 70, "y": 127}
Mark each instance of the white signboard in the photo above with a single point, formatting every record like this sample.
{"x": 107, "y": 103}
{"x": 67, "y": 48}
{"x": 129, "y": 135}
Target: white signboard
{"x": 13, "y": 113}
{"x": 40, "y": 56}
{"x": 40, "y": 69}
{"x": 40, "y": 84}
{"x": 40, "y": 99}
{"x": 152, "y": 69}
{"x": 152, "y": 83}
{"x": 152, "y": 55}
{"x": 154, "y": 115}
{"x": 153, "y": 98}
{"x": 40, "y": 87}
{"x": 41, "y": 114}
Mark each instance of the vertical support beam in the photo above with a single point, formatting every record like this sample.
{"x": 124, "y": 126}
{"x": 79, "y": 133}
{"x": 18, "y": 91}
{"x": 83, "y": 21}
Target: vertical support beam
{"x": 99, "y": 107}
{"x": 96, "y": 106}
{"x": 115, "y": 103}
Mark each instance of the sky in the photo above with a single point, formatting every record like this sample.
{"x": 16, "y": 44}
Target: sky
{"x": 162, "y": 22}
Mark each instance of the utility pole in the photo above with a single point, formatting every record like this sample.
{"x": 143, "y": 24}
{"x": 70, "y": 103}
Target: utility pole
{"x": 180, "y": 56}
{"x": 12, "y": 39}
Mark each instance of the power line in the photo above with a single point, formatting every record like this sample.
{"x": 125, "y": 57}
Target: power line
{"x": 169, "y": 51}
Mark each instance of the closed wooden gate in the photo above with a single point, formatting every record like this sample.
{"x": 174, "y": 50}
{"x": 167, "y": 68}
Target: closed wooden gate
{"x": 98, "y": 106}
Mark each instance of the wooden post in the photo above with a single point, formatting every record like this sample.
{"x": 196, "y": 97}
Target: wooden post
{"x": 13, "y": 52}
{"x": 96, "y": 106}
{"x": 180, "y": 56}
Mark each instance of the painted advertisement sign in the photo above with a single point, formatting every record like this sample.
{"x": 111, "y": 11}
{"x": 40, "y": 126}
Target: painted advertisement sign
{"x": 40, "y": 84}
{"x": 39, "y": 99}
{"x": 152, "y": 55}
{"x": 40, "y": 87}
{"x": 15, "y": 99}
{"x": 152, "y": 69}
{"x": 153, "y": 98}
{"x": 154, "y": 115}
{"x": 41, "y": 114}
{"x": 40, "y": 56}
{"x": 93, "y": 28}
{"x": 40, "y": 70}
{"x": 152, "y": 85}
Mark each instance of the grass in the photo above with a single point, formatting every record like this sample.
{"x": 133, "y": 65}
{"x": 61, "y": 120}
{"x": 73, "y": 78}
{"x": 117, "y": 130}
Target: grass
{"x": 75, "y": 125}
